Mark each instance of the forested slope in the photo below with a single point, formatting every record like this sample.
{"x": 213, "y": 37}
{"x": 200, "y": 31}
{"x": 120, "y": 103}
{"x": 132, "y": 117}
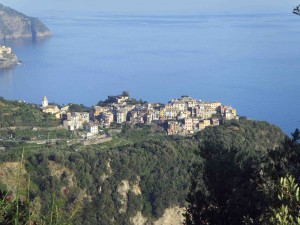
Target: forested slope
{"x": 141, "y": 170}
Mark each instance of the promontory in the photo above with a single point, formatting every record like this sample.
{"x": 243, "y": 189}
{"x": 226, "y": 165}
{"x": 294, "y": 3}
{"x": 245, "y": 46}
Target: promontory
{"x": 14, "y": 24}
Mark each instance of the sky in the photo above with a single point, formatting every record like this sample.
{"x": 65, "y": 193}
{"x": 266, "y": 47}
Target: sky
{"x": 144, "y": 6}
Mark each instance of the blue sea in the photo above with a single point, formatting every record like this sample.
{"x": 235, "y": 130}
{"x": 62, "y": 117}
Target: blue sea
{"x": 249, "y": 61}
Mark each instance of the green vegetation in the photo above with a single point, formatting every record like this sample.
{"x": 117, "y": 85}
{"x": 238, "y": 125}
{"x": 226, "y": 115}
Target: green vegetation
{"x": 288, "y": 213}
{"x": 134, "y": 101}
{"x": 142, "y": 155}
{"x": 125, "y": 93}
{"x": 19, "y": 210}
{"x": 14, "y": 113}
{"x": 224, "y": 175}
{"x": 237, "y": 183}
{"x": 12, "y": 210}
{"x": 130, "y": 101}
{"x": 78, "y": 108}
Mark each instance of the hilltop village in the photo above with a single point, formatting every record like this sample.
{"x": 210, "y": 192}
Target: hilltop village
{"x": 181, "y": 116}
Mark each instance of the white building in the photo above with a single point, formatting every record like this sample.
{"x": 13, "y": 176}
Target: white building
{"x": 75, "y": 120}
{"x": 121, "y": 116}
{"x": 92, "y": 128}
{"x": 45, "y": 102}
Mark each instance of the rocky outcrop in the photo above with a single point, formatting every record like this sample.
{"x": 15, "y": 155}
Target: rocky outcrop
{"x": 14, "y": 24}
{"x": 138, "y": 219}
{"x": 171, "y": 216}
{"x": 59, "y": 171}
{"x": 7, "y": 58}
{"x": 123, "y": 189}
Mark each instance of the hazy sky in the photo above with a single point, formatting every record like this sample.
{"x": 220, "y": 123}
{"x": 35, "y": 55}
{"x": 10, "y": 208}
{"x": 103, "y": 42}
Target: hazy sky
{"x": 140, "y": 6}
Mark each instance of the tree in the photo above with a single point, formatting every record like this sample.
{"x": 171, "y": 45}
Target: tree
{"x": 296, "y": 136}
{"x": 126, "y": 93}
{"x": 288, "y": 213}
{"x": 286, "y": 159}
{"x": 237, "y": 184}
{"x": 225, "y": 190}
{"x": 78, "y": 108}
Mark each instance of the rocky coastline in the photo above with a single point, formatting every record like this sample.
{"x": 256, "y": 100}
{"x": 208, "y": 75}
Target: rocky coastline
{"x": 14, "y": 25}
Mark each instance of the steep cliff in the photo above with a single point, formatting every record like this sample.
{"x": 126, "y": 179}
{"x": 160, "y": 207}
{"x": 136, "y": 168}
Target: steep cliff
{"x": 14, "y": 24}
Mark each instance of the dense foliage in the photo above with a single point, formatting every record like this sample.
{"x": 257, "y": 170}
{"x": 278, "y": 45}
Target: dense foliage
{"x": 289, "y": 211}
{"x": 78, "y": 108}
{"x": 161, "y": 166}
{"x": 237, "y": 182}
{"x": 14, "y": 113}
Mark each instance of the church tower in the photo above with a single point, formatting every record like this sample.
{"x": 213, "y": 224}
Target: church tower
{"x": 44, "y": 102}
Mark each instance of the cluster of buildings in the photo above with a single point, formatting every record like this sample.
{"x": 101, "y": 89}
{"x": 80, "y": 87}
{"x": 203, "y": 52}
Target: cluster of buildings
{"x": 7, "y": 58}
{"x": 4, "y": 51}
{"x": 181, "y": 116}
{"x": 71, "y": 120}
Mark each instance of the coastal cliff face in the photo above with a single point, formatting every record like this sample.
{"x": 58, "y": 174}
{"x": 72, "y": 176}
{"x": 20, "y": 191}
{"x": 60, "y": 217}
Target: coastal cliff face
{"x": 14, "y": 24}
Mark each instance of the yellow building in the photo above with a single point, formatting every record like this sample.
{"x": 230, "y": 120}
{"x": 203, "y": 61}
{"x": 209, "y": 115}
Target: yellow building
{"x": 233, "y": 111}
{"x": 162, "y": 112}
{"x": 53, "y": 109}
{"x": 188, "y": 124}
{"x": 206, "y": 123}
{"x": 46, "y": 108}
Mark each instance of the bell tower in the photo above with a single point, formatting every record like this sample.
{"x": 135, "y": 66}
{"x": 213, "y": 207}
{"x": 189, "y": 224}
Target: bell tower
{"x": 44, "y": 102}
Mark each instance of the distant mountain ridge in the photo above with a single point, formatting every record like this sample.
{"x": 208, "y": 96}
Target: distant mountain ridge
{"x": 14, "y": 24}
